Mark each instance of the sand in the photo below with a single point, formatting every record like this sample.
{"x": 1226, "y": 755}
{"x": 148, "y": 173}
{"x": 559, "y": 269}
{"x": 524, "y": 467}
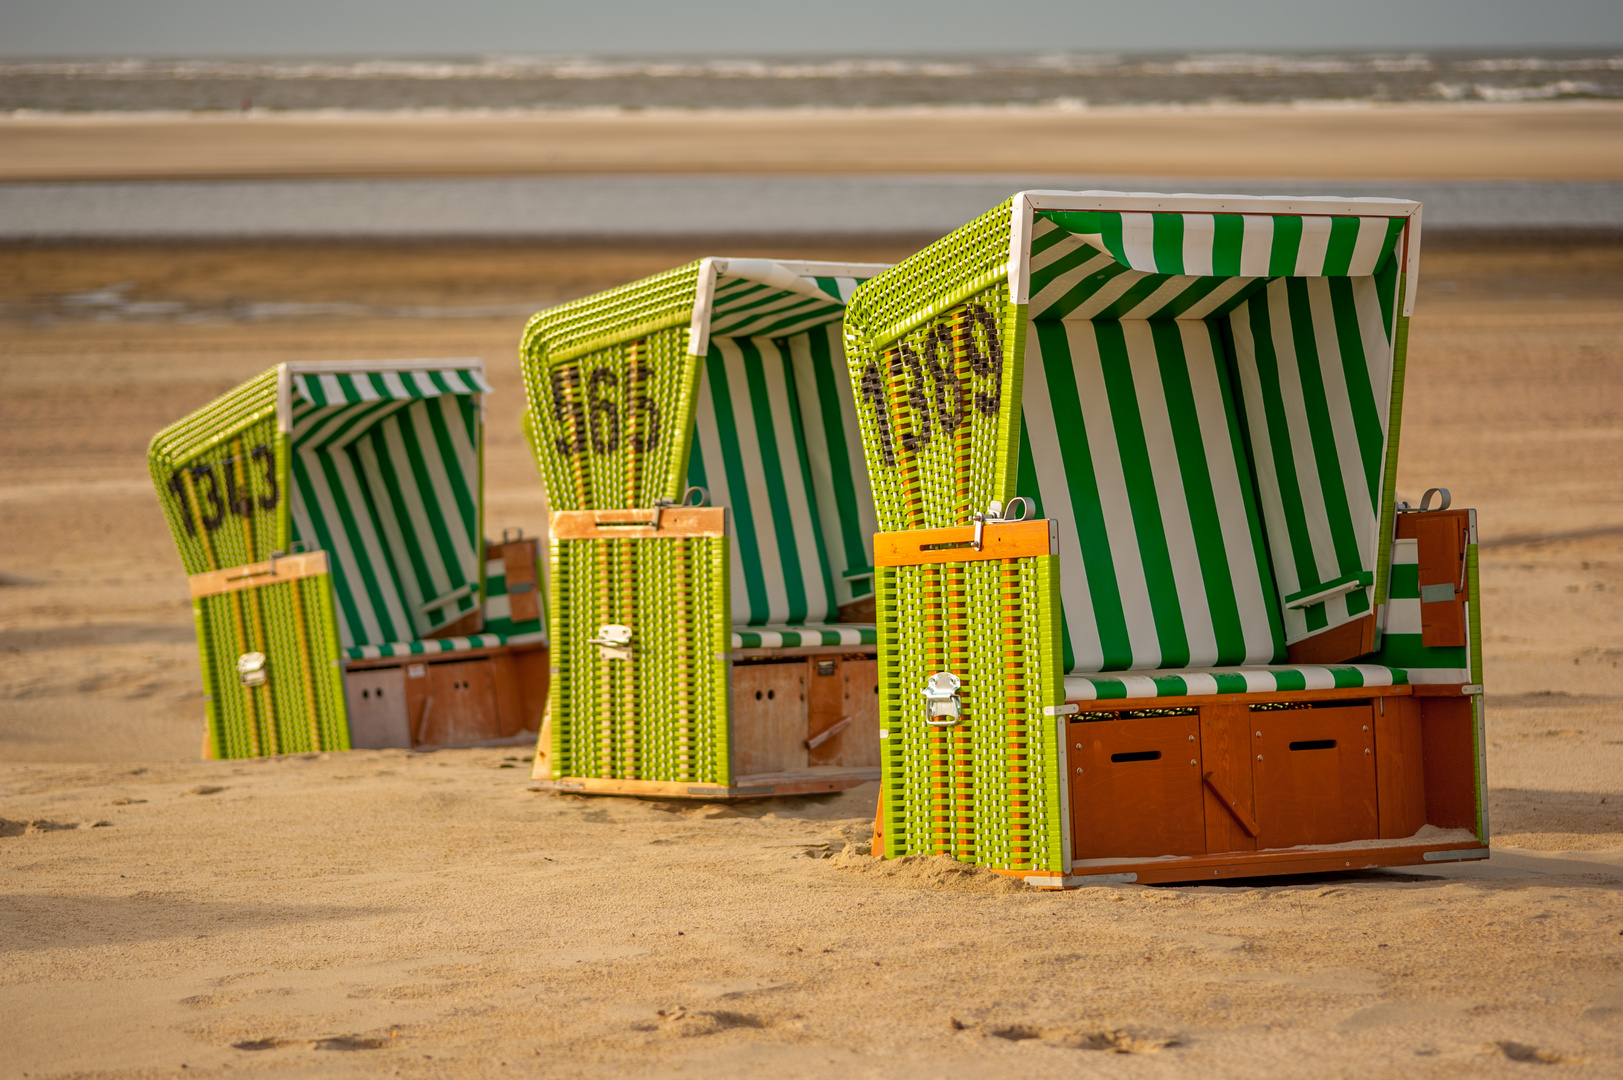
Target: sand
{"x": 1416, "y": 142}
{"x": 426, "y": 914}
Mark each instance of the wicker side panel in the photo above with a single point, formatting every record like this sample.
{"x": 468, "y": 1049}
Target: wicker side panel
{"x": 226, "y": 497}
{"x": 937, "y": 407}
{"x": 300, "y": 706}
{"x": 610, "y": 428}
{"x": 986, "y": 790}
{"x": 662, "y": 714}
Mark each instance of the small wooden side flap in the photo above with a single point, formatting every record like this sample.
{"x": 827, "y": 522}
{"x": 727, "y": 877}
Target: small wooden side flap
{"x": 999, "y": 540}
{"x": 638, "y": 523}
{"x": 1442, "y": 539}
{"x": 253, "y": 575}
{"x": 523, "y": 586}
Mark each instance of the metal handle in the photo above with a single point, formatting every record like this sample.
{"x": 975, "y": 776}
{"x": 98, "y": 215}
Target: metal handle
{"x": 1443, "y": 499}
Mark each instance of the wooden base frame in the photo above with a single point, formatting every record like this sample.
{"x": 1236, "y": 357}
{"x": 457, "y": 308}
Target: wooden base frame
{"x": 433, "y": 701}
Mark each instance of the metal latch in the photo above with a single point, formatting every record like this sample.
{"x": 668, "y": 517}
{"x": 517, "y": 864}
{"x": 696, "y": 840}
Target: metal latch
{"x": 613, "y": 641}
{"x": 251, "y": 669}
{"x": 661, "y": 505}
{"x": 995, "y": 513}
{"x": 941, "y": 705}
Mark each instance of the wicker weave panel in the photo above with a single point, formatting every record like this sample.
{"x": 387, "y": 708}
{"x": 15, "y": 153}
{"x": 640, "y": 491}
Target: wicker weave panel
{"x": 986, "y": 790}
{"x": 662, "y": 715}
{"x": 300, "y": 707}
{"x": 225, "y": 495}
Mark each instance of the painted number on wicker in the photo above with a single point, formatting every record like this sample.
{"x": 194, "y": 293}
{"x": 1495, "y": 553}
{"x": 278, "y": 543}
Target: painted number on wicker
{"x": 214, "y": 504}
{"x": 925, "y": 375}
{"x": 594, "y": 419}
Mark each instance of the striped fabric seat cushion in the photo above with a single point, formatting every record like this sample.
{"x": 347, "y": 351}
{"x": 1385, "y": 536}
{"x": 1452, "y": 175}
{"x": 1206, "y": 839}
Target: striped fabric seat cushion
{"x": 389, "y": 488}
{"x": 1232, "y": 680}
{"x": 436, "y": 646}
{"x": 791, "y": 637}
{"x": 776, "y": 441}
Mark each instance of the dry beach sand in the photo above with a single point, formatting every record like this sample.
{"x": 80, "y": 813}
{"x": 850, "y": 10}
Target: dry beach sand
{"x": 1347, "y": 142}
{"x": 426, "y": 915}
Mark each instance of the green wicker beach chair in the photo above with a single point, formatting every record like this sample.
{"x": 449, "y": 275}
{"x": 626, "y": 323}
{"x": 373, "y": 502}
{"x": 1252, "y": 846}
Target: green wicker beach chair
{"x": 1194, "y": 653}
{"x": 712, "y": 610}
{"x": 331, "y": 515}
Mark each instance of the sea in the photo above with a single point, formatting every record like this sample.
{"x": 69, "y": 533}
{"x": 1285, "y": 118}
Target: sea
{"x": 606, "y": 207}
{"x": 1052, "y": 80}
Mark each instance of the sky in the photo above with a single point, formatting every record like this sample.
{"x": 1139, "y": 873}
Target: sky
{"x": 764, "y": 27}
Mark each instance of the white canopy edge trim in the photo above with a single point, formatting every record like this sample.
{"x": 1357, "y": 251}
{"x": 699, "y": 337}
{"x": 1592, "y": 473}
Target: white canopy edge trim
{"x": 792, "y": 277}
{"x": 286, "y": 371}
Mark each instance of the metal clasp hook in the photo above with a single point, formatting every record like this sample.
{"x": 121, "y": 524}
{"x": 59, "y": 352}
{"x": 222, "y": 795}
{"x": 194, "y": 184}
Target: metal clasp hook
{"x": 941, "y": 699}
{"x": 995, "y": 513}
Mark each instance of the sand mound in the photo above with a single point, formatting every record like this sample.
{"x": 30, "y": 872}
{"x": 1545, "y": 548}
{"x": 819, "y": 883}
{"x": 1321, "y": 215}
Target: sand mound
{"x": 939, "y": 872}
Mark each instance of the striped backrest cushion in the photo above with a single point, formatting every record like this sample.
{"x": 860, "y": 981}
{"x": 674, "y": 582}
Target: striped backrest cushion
{"x": 775, "y": 440}
{"x": 1315, "y": 367}
{"x": 1131, "y": 438}
{"x": 390, "y": 490}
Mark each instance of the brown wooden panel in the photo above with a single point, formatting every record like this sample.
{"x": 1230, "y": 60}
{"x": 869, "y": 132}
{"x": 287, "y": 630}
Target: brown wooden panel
{"x": 458, "y": 704}
{"x": 769, "y": 718}
{"x": 1335, "y": 645}
{"x": 999, "y": 540}
{"x": 1323, "y": 791}
{"x": 523, "y": 584}
{"x": 1400, "y": 775}
{"x": 842, "y": 711}
{"x": 509, "y": 708}
{"x": 1447, "y": 731}
{"x": 1442, "y": 538}
{"x": 533, "y": 667}
{"x": 469, "y": 624}
{"x": 1136, "y": 788}
{"x": 637, "y": 524}
{"x": 1225, "y": 757}
{"x": 1344, "y": 693}
{"x": 375, "y": 700}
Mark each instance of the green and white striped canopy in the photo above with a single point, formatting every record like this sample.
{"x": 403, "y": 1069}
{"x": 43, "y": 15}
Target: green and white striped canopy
{"x": 1206, "y": 398}
{"x": 385, "y": 471}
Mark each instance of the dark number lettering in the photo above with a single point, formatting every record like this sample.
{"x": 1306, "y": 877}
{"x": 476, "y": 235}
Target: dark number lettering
{"x": 945, "y": 377}
{"x": 987, "y": 363}
{"x": 644, "y": 409}
{"x": 567, "y": 410}
{"x": 918, "y": 402}
{"x": 214, "y": 521}
{"x": 873, "y": 390}
{"x": 605, "y": 412}
{"x": 239, "y": 503}
{"x": 177, "y": 484}
{"x": 273, "y": 493}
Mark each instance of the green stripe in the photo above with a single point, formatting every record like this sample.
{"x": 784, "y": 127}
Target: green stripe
{"x": 1327, "y": 455}
{"x": 1287, "y": 243}
{"x": 1355, "y": 366}
{"x": 1343, "y": 239}
{"x": 802, "y": 459}
{"x": 1227, "y": 628}
{"x": 399, "y": 507}
{"x": 1136, "y": 294}
{"x": 766, "y": 434}
{"x": 1080, "y": 478}
{"x": 1199, "y": 288}
{"x": 417, "y": 458}
{"x": 324, "y": 542}
{"x": 355, "y": 542}
{"x": 846, "y": 475}
{"x": 1064, "y": 264}
{"x": 1406, "y": 651}
{"x": 1167, "y": 242}
{"x": 1228, "y": 240}
{"x": 749, "y": 548}
{"x": 1141, "y": 494}
{"x": 1083, "y": 289}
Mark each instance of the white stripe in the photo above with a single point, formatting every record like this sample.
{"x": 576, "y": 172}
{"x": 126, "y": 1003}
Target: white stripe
{"x": 1258, "y": 681}
{"x": 1378, "y": 350}
{"x": 1199, "y": 240}
{"x": 379, "y": 414}
{"x": 499, "y": 606}
{"x": 1038, "y": 411}
{"x": 1318, "y": 678}
{"x": 331, "y": 389}
{"x": 425, "y": 385}
{"x": 439, "y": 479}
{"x": 1367, "y": 248}
{"x": 1106, "y": 295}
{"x": 1080, "y": 688}
{"x": 495, "y": 568}
{"x": 380, "y": 563}
{"x": 1140, "y": 686}
{"x": 1055, "y": 251}
{"x": 1199, "y": 683}
{"x": 454, "y": 380}
{"x": 1256, "y": 245}
{"x": 1167, "y": 292}
{"x": 1406, "y": 552}
{"x": 817, "y": 461}
{"x": 1115, "y": 505}
{"x": 1215, "y": 299}
{"x": 1173, "y": 501}
{"x": 414, "y": 622}
{"x": 1403, "y": 616}
{"x": 1253, "y": 603}
{"x": 343, "y": 555}
{"x": 1373, "y": 674}
{"x": 396, "y": 385}
{"x": 754, "y": 494}
{"x": 1314, "y": 246}
{"x": 1138, "y": 241}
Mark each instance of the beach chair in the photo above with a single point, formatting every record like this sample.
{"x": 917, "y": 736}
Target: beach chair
{"x": 711, "y": 590}
{"x": 330, "y": 515}
{"x": 1147, "y": 611}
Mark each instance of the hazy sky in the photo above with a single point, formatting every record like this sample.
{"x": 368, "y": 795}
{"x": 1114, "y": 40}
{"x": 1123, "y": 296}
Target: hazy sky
{"x": 212, "y": 27}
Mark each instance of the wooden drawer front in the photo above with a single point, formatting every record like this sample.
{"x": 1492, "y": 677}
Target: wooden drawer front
{"x": 375, "y": 699}
{"x": 1315, "y": 776}
{"x": 1136, "y": 788}
{"x": 453, "y": 704}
